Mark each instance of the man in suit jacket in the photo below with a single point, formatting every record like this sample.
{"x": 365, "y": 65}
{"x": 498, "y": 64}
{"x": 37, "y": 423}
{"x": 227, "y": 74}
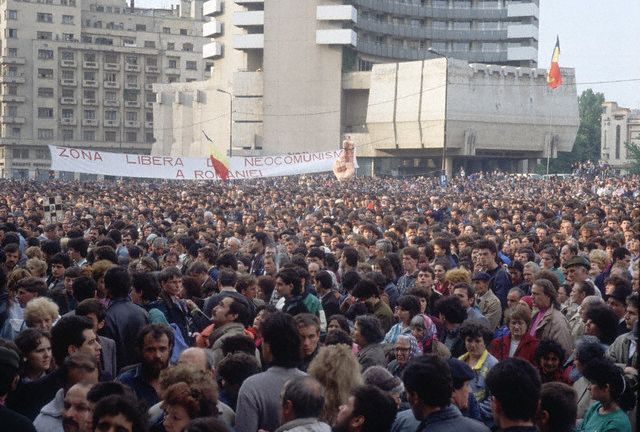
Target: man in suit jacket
{"x": 92, "y": 308}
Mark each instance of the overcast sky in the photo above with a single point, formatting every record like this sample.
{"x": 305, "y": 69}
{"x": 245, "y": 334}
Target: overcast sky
{"x": 599, "y": 38}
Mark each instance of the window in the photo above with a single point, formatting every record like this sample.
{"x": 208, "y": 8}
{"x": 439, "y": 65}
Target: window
{"x": 11, "y": 90}
{"x": 68, "y": 37}
{"x": 68, "y": 93}
{"x": 149, "y": 97}
{"x": 462, "y": 4}
{"x": 192, "y": 65}
{"x": 148, "y": 116}
{"x": 12, "y": 71}
{"x": 21, "y": 153}
{"x": 490, "y": 46}
{"x": 45, "y": 112}
{"x": 11, "y": 111}
{"x": 132, "y": 60}
{"x": 141, "y": 27}
{"x": 67, "y": 55}
{"x": 67, "y": 113}
{"x": 132, "y": 79}
{"x": 173, "y": 63}
{"x": 89, "y": 135}
{"x": 12, "y": 52}
{"x": 45, "y": 73}
{"x": 462, "y": 25}
{"x": 183, "y": 32}
{"x": 110, "y": 95}
{"x": 89, "y": 57}
{"x": 67, "y": 19}
{"x": 89, "y": 114}
{"x": 89, "y": 94}
{"x": 15, "y": 132}
{"x": 151, "y": 61}
{"x": 44, "y": 17}
{"x": 11, "y": 14}
{"x": 89, "y": 76}
{"x": 44, "y": 35}
{"x": 149, "y": 44}
{"x": 45, "y": 134}
{"x": 129, "y": 42}
{"x": 111, "y": 115}
{"x": 111, "y": 76}
{"x": 110, "y": 136}
{"x": 43, "y": 153}
{"x": 45, "y": 92}
{"x": 131, "y": 136}
{"x": 187, "y": 47}
{"x": 166, "y": 30}
{"x": 68, "y": 74}
{"x": 461, "y": 46}
{"x": 618, "y": 142}
{"x": 170, "y": 46}
{"x": 45, "y": 54}
{"x": 103, "y": 41}
{"x": 131, "y": 115}
{"x": 148, "y": 137}
{"x": 12, "y": 33}
{"x": 131, "y": 95}
{"x": 111, "y": 58}
{"x": 67, "y": 134}
{"x": 68, "y": 2}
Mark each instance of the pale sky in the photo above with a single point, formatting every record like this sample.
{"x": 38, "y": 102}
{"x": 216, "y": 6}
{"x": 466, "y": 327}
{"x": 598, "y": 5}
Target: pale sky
{"x": 599, "y": 38}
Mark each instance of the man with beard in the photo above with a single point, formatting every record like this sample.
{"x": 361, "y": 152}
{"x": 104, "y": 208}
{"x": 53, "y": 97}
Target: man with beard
{"x": 368, "y": 409}
{"x": 76, "y": 416}
{"x": 155, "y": 343}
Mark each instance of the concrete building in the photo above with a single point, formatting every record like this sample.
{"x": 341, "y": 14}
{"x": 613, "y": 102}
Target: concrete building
{"x": 80, "y": 74}
{"x": 618, "y": 126}
{"x": 286, "y": 79}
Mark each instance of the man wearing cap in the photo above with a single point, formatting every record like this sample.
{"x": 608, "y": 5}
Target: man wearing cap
{"x": 576, "y": 270}
{"x": 9, "y": 367}
{"x": 462, "y": 396}
{"x": 488, "y": 303}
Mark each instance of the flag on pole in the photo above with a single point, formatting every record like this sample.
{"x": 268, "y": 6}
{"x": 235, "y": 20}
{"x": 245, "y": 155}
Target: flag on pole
{"x": 554, "y": 77}
{"x": 219, "y": 161}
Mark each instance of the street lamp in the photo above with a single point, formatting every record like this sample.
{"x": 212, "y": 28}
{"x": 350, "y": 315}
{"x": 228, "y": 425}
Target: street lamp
{"x": 230, "y": 120}
{"x": 446, "y": 89}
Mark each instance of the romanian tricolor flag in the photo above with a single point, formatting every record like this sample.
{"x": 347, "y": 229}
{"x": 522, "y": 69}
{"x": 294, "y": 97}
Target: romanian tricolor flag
{"x": 554, "y": 77}
{"x": 219, "y": 161}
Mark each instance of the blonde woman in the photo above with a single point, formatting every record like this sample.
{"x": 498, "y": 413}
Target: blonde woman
{"x": 41, "y": 313}
{"x": 338, "y": 370}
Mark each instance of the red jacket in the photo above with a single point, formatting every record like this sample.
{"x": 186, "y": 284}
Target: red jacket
{"x": 526, "y": 348}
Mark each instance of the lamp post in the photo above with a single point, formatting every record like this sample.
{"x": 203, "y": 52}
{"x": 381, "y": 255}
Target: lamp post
{"x": 446, "y": 89}
{"x": 230, "y": 120}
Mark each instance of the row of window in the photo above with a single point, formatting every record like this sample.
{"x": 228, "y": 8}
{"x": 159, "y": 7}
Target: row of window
{"x": 92, "y": 23}
{"x": 437, "y": 24}
{"x": 48, "y": 92}
{"x": 43, "y": 17}
{"x": 91, "y": 75}
{"x": 70, "y": 135}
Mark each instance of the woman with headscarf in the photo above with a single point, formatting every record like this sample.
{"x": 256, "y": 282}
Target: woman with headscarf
{"x": 406, "y": 348}
{"x": 426, "y": 333}
{"x": 548, "y": 322}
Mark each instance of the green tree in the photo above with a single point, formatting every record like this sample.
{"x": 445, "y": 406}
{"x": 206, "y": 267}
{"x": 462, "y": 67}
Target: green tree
{"x": 633, "y": 154}
{"x": 587, "y": 143}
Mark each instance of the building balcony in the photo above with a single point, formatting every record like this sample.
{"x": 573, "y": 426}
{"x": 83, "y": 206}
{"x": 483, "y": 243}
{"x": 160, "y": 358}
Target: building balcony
{"x": 68, "y": 101}
{"x": 12, "y": 120}
{"x": 111, "y": 103}
{"x": 90, "y": 65}
{"x": 212, "y": 50}
{"x": 171, "y": 71}
{"x": 12, "y": 60}
{"x": 522, "y": 53}
{"x": 342, "y": 13}
{"x": 248, "y": 18}
{"x": 12, "y": 79}
{"x": 336, "y": 37}
{"x": 212, "y": 28}
{"x": 132, "y": 86}
{"x": 111, "y": 66}
{"x": 152, "y": 69}
{"x": 132, "y": 104}
{"x": 518, "y": 10}
{"x": 12, "y": 98}
{"x": 68, "y": 121}
{"x": 212, "y": 8}
{"x": 90, "y": 83}
{"x": 148, "y": 105}
{"x": 111, "y": 85}
{"x": 69, "y": 82}
{"x": 131, "y": 124}
{"x": 522, "y": 31}
{"x": 111, "y": 123}
{"x": 248, "y": 41}
{"x": 148, "y": 125}
{"x": 68, "y": 63}
{"x": 90, "y": 122}
{"x": 132, "y": 68}
{"x": 89, "y": 102}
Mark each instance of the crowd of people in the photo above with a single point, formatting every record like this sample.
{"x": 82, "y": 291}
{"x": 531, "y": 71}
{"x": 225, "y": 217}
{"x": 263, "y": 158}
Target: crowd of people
{"x": 489, "y": 302}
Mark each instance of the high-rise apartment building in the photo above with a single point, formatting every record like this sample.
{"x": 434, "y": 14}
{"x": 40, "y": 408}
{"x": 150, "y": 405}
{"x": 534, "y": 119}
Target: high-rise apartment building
{"x": 80, "y": 74}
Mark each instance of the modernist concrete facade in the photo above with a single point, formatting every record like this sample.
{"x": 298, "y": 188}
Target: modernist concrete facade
{"x": 80, "y": 74}
{"x": 618, "y": 126}
{"x": 401, "y": 115}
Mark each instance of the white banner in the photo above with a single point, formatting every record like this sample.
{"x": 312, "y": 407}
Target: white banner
{"x": 188, "y": 168}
